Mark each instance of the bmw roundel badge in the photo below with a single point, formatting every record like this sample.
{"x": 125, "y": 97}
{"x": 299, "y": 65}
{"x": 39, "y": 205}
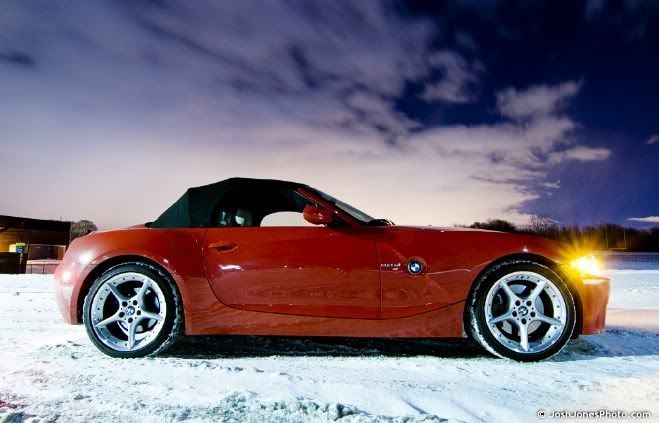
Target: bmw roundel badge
{"x": 414, "y": 267}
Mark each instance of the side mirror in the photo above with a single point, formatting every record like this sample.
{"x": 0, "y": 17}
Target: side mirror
{"x": 317, "y": 215}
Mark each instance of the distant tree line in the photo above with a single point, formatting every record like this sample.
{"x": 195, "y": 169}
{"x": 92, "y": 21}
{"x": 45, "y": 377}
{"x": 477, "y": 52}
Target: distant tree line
{"x": 605, "y": 236}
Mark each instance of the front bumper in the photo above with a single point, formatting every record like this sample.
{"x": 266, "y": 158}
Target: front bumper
{"x": 67, "y": 276}
{"x": 593, "y": 299}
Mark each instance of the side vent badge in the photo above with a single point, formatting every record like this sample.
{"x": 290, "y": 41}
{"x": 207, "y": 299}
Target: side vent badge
{"x": 414, "y": 267}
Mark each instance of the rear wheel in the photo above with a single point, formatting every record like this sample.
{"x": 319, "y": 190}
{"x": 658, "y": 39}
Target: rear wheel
{"x": 133, "y": 310}
{"x": 521, "y": 310}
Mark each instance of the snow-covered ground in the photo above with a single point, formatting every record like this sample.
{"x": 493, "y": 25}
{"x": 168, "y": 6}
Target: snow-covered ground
{"x": 50, "y": 371}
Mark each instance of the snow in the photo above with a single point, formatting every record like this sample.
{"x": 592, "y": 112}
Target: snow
{"x": 50, "y": 371}
{"x": 635, "y": 289}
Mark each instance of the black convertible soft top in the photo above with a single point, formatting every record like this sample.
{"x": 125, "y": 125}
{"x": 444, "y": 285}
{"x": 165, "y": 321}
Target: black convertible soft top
{"x": 195, "y": 208}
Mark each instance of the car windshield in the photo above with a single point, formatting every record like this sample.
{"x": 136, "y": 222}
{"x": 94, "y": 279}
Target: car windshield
{"x": 356, "y": 213}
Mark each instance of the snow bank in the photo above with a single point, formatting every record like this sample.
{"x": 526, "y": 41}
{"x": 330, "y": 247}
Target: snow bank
{"x": 50, "y": 370}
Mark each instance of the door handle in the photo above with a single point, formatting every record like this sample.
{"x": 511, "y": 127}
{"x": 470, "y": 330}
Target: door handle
{"x": 222, "y": 246}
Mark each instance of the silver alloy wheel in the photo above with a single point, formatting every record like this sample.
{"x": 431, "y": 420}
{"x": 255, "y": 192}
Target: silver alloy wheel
{"x": 525, "y": 312}
{"x": 128, "y": 311}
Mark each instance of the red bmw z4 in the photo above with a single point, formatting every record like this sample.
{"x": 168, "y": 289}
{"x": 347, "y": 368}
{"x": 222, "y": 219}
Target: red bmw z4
{"x": 266, "y": 257}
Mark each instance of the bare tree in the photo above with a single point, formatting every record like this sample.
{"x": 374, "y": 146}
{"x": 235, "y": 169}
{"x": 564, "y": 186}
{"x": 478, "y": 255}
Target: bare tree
{"x": 82, "y": 228}
{"x": 542, "y": 225}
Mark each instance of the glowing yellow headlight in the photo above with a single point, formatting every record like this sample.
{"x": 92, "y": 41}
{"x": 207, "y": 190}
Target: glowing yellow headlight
{"x": 587, "y": 265}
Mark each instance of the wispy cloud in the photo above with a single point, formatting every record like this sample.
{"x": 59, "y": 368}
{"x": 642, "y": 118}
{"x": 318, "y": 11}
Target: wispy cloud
{"x": 538, "y": 100}
{"x": 649, "y": 219}
{"x": 552, "y": 185}
{"x": 654, "y": 139}
{"x": 580, "y": 153}
{"x": 458, "y": 78}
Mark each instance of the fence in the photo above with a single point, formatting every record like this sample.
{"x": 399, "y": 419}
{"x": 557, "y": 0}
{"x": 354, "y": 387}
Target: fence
{"x": 41, "y": 267}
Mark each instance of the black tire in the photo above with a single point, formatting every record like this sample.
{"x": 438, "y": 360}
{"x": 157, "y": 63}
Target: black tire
{"x": 475, "y": 315}
{"x": 172, "y": 328}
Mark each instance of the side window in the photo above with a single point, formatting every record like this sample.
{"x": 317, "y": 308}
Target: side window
{"x": 285, "y": 218}
{"x": 288, "y": 212}
{"x": 272, "y": 208}
{"x": 234, "y": 217}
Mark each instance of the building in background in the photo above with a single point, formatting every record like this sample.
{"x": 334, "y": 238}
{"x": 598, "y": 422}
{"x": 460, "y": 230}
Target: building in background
{"x": 32, "y": 245}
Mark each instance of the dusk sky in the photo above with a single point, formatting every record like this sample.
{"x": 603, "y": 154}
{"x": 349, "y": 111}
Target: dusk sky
{"x": 421, "y": 112}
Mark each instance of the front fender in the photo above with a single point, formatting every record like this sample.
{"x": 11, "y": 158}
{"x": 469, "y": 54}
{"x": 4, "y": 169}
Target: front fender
{"x": 175, "y": 251}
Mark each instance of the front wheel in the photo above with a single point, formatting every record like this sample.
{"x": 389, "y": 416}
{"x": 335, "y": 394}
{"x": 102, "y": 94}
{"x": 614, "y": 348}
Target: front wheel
{"x": 132, "y": 310}
{"x": 521, "y": 310}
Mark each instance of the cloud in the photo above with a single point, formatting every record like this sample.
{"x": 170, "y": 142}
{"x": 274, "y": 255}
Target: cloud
{"x": 368, "y": 110}
{"x": 552, "y": 185}
{"x": 133, "y": 104}
{"x": 653, "y": 139}
{"x": 580, "y": 153}
{"x": 649, "y": 219}
{"x": 538, "y": 100}
{"x": 457, "y": 81}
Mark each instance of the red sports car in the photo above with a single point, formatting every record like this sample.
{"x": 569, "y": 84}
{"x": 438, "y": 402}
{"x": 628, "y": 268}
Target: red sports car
{"x": 266, "y": 257}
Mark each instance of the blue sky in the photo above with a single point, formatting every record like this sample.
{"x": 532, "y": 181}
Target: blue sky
{"x": 422, "y": 112}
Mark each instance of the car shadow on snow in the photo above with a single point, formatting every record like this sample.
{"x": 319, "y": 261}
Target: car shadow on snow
{"x": 235, "y": 346}
{"x": 615, "y": 342}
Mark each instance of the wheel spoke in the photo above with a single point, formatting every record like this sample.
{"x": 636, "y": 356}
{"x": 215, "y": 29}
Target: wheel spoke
{"x": 511, "y": 295}
{"x": 149, "y": 315}
{"x": 140, "y": 294}
{"x": 131, "y": 335}
{"x": 537, "y": 290}
{"x": 502, "y": 318}
{"x": 549, "y": 320}
{"x": 114, "y": 318}
{"x": 120, "y": 297}
{"x": 523, "y": 336}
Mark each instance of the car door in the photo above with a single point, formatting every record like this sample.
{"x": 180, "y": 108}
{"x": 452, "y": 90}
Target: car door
{"x": 311, "y": 271}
